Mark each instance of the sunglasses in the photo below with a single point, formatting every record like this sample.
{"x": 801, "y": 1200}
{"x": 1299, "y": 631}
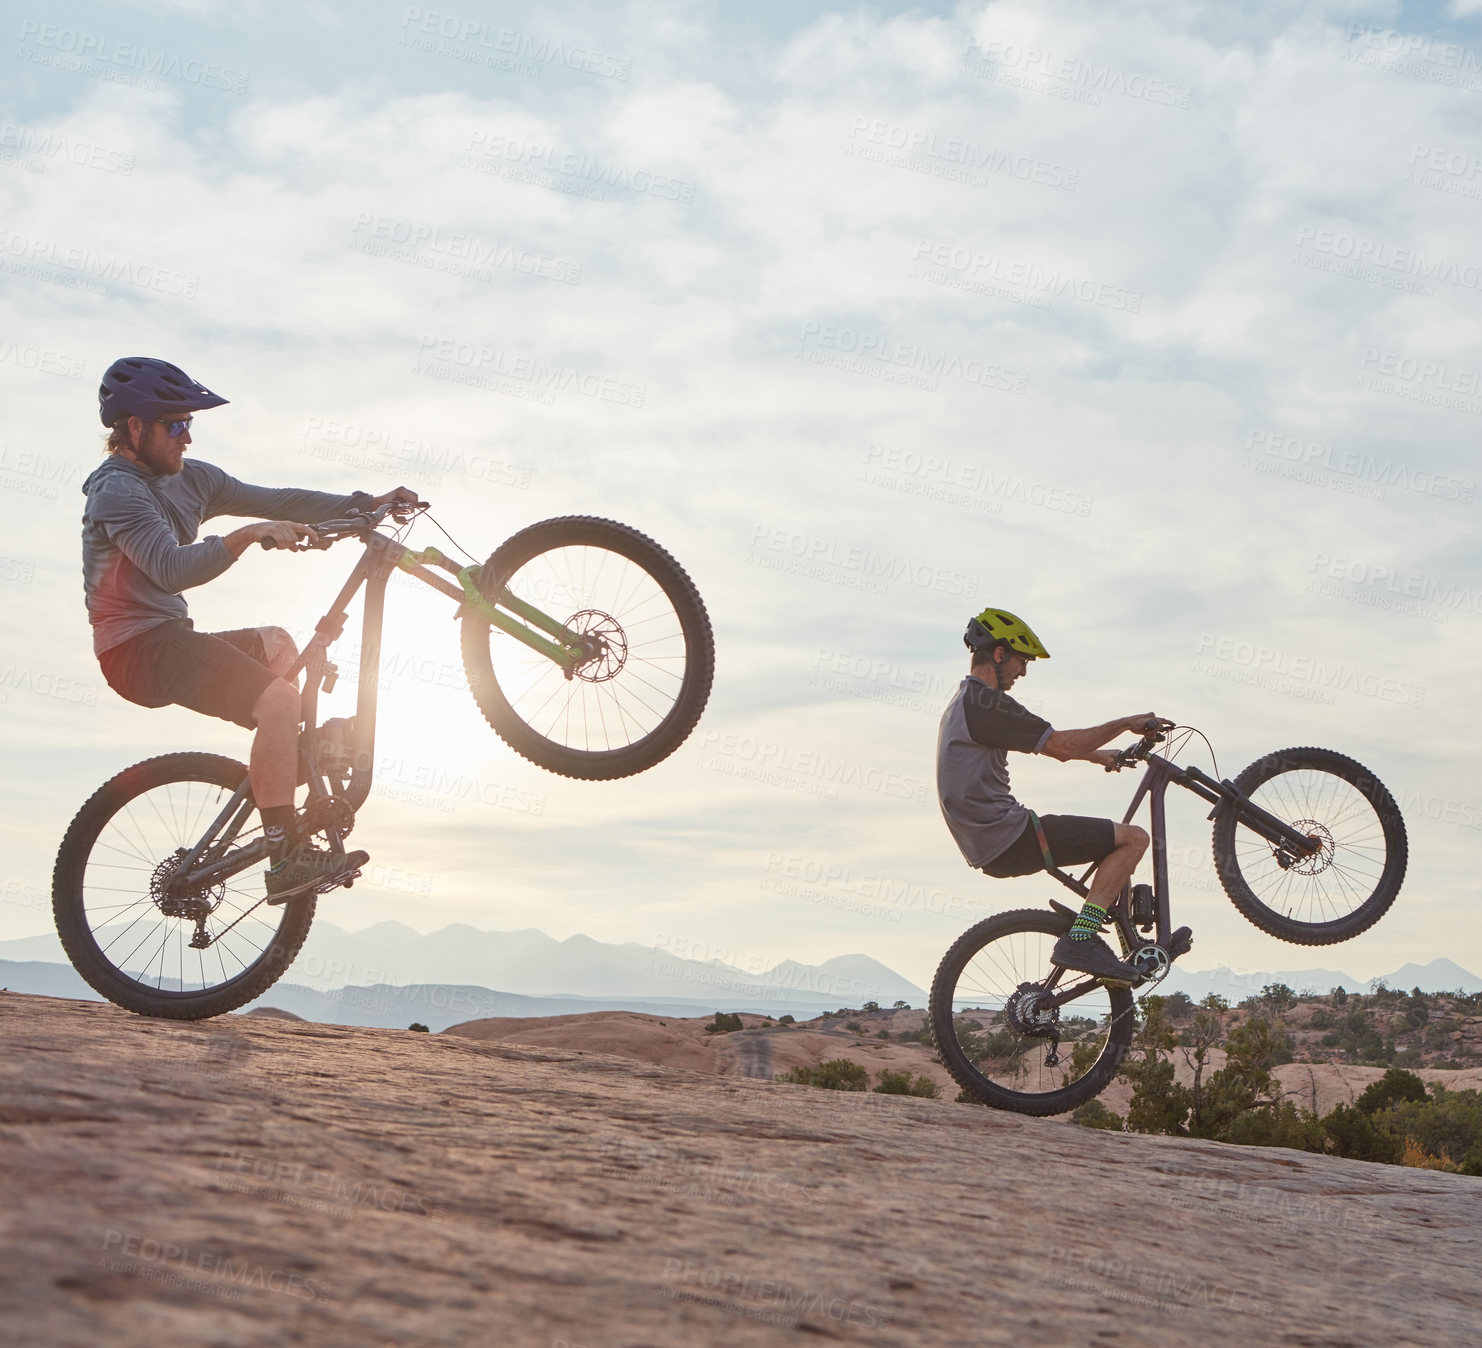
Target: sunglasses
{"x": 175, "y": 429}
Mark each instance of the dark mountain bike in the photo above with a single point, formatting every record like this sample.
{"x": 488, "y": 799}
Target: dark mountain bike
{"x": 586, "y": 647}
{"x": 1308, "y": 844}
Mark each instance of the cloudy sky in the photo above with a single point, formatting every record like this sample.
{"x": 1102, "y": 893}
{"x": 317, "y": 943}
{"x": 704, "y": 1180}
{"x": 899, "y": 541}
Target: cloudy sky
{"x": 1154, "y": 323}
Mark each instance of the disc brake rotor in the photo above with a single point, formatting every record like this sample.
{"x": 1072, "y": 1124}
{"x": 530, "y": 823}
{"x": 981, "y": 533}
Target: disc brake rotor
{"x": 1315, "y": 863}
{"x": 606, "y": 644}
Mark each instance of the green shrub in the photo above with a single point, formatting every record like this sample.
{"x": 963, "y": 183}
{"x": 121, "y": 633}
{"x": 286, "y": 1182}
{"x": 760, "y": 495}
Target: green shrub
{"x": 1279, "y": 1124}
{"x": 900, "y": 1083}
{"x": 724, "y": 1023}
{"x": 838, "y": 1074}
{"x": 421, "y": 1028}
{"x": 1449, "y": 1124}
{"x": 1354, "y": 1134}
{"x": 1094, "y": 1114}
{"x": 786, "y": 1020}
{"x": 1180, "y": 1005}
{"x": 1394, "y": 1086}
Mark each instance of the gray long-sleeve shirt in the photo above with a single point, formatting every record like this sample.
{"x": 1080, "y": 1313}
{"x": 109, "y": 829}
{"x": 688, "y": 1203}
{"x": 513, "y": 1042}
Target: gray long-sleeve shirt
{"x": 139, "y": 548}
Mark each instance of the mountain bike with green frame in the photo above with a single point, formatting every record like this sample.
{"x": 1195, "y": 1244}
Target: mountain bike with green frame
{"x": 586, "y": 646}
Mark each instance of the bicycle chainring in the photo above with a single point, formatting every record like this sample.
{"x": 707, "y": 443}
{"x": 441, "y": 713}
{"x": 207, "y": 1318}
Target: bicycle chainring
{"x": 327, "y": 812}
{"x": 1153, "y": 961}
{"x": 1021, "y": 1013}
{"x": 1316, "y": 862}
{"x": 196, "y": 904}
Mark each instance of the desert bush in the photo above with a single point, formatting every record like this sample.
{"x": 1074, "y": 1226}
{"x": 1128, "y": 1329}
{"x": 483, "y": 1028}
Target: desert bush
{"x": 1394, "y": 1086}
{"x": 1094, "y": 1114}
{"x": 1180, "y": 1005}
{"x": 1415, "y": 1155}
{"x": 838, "y": 1074}
{"x": 900, "y": 1083}
{"x": 418, "y": 1026}
{"x": 724, "y": 1023}
{"x": 1278, "y": 1124}
{"x": 1354, "y": 1134}
{"x": 1448, "y": 1124}
{"x": 786, "y": 1020}
{"x": 1274, "y": 997}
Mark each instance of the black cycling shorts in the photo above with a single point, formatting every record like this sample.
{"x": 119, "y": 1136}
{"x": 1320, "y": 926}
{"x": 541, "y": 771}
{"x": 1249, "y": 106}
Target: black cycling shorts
{"x": 1075, "y": 840}
{"x": 216, "y": 673}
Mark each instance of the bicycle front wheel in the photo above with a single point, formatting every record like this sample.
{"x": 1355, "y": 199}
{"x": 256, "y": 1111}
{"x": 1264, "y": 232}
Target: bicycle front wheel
{"x": 635, "y": 704}
{"x": 143, "y": 945}
{"x": 997, "y": 1045}
{"x": 1340, "y": 890}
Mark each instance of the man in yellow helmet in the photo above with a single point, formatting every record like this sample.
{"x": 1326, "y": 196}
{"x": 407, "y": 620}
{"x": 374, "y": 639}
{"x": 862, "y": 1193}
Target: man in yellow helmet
{"x": 1003, "y": 838}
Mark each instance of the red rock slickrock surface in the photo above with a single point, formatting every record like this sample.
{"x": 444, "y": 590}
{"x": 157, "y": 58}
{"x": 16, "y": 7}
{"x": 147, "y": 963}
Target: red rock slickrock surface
{"x": 259, "y": 1181}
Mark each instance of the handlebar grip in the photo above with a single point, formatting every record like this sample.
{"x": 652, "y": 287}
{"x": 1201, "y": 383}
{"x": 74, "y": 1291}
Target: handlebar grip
{"x": 1151, "y": 727}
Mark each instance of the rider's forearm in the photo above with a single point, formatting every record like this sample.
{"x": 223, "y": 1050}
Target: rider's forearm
{"x": 1069, "y": 744}
{"x": 297, "y": 504}
{"x": 239, "y": 540}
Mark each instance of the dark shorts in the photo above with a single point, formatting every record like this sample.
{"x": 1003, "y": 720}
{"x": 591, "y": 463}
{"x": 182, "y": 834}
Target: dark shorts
{"x": 1075, "y": 840}
{"x": 216, "y": 673}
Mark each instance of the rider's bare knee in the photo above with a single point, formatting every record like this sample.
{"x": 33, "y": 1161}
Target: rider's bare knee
{"x": 277, "y": 704}
{"x": 1132, "y": 836}
{"x": 278, "y": 648}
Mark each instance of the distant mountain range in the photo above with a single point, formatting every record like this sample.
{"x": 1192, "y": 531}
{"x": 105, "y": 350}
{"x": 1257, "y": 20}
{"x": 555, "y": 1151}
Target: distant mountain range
{"x": 390, "y": 974}
{"x": 1440, "y": 975}
{"x": 532, "y": 964}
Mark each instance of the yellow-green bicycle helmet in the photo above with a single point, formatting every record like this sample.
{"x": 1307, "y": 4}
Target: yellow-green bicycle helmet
{"x": 994, "y": 624}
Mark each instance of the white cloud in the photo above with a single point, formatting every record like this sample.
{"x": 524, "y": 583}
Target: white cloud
{"x": 1172, "y": 419}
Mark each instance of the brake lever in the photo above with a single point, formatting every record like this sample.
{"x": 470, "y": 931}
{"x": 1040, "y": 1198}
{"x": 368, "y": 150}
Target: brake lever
{"x": 301, "y": 545}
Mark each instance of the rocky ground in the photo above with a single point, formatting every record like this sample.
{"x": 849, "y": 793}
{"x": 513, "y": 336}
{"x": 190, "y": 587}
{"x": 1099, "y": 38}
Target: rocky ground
{"x": 262, "y": 1181}
{"x": 763, "y": 1048}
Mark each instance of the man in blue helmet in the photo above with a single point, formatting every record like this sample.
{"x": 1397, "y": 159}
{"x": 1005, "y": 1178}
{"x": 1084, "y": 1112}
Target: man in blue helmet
{"x": 145, "y": 506}
{"x": 998, "y": 835}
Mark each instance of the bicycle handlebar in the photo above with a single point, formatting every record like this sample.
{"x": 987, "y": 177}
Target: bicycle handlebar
{"x": 355, "y": 525}
{"x": 1153, "y": 732}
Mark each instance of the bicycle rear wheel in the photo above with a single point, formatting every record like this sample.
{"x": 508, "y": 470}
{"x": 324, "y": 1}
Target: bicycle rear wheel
{"x": 993, "y": 1041}
{"x": 1349, "y": 883}
{"x": 129, "y": 935}
{"x": 635, "y": 704}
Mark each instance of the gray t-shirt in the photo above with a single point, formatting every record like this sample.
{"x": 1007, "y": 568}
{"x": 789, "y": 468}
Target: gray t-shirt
{"x": 979, "y": 727}
{"x": 139, "y": 548}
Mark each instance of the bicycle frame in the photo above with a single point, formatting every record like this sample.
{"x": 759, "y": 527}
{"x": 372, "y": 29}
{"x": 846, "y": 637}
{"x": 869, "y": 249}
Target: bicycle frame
{"x": 1153, "y": 788}
{"x": 381, "y": 557}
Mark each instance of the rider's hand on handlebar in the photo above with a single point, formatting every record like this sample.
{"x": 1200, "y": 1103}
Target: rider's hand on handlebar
{"x": 401, "y": 496}
{"x": 284, "y": 534}
{"x": 1146, "y": 723}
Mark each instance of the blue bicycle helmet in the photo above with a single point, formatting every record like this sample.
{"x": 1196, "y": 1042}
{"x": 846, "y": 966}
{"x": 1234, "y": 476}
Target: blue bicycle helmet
{"x": 140, "y": 386}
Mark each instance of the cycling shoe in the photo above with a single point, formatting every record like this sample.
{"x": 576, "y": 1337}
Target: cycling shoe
{"x": 1093, "y": 956}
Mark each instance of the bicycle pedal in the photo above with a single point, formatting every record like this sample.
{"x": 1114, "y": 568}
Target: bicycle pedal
{"x": 343, "y": 880}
